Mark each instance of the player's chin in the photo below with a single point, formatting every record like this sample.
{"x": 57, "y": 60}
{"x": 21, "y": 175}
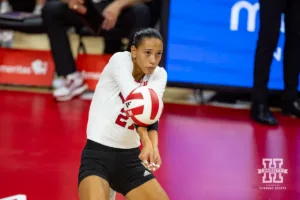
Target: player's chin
{"x": 149, "y": 70}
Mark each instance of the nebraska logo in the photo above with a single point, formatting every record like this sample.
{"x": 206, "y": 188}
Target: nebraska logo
{"x": 38, "y": 67}
{"x": 272, "y": 173}
{"x": 145, "y": 83}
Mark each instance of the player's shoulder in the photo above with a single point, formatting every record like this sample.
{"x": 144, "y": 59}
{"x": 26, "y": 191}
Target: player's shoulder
{"x": 120, "y": 56}
{"x": 160, "y": 71}
{"x": 118, "y": 60}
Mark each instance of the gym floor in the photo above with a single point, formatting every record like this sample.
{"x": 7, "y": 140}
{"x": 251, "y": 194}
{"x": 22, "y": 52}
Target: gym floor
{"x": 208, "y": 152}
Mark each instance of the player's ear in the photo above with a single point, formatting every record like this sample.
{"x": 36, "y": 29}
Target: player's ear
{"x": 133, "y": 51}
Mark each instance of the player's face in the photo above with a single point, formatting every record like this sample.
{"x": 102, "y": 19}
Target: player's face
{"x": 148, "y": 54}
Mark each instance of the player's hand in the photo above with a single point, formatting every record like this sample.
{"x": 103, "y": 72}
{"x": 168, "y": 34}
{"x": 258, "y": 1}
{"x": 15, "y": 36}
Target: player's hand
{"x": 77, "y": 6}
{"x": 111, "y": 14}
{"x": 147, "y": 154}
{"x": 157, "y": 160}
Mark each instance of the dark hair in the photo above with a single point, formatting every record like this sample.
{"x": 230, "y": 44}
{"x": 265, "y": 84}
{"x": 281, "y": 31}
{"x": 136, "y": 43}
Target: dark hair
{"x": 139, "y": 35}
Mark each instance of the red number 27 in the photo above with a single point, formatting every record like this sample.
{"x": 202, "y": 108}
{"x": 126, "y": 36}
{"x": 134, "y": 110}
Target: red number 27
{"x": 122, "y": 117}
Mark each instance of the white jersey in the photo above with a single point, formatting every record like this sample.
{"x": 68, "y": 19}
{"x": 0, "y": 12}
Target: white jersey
{"x": 108, "y": 123}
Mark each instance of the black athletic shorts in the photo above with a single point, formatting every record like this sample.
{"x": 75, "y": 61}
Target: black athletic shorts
{"x": 121, "y": 168}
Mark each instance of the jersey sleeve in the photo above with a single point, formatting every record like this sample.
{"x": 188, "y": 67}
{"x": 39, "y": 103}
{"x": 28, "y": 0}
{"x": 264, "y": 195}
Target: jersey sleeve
{"x": 159, "y": 82}
{"x": 122, "y": 75}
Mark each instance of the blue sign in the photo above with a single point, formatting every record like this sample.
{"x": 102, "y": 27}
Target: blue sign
{"x": 213, "y": 42}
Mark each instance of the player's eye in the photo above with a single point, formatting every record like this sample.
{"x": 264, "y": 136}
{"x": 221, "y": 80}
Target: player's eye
{"x": 148, "y": 53}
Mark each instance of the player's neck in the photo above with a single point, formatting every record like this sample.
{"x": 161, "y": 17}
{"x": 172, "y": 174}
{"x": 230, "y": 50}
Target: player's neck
{"x": 137, "y": 74}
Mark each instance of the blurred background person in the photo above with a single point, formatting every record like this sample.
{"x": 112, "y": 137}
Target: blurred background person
{"x": 6, "y": 6}
{"x": 270, "y": 21}
{"x": 120, "y": 15}
{"x": 34, "y": 6}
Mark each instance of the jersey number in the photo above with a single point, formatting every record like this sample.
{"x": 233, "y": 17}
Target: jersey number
{"x": 122, "y": 117}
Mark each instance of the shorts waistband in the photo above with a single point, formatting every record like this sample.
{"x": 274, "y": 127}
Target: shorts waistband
{"x": 91, "y": 145}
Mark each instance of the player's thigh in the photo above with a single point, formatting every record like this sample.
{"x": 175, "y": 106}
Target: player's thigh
{"x": 94, "y": 188}
{"x": 151, "y": 190}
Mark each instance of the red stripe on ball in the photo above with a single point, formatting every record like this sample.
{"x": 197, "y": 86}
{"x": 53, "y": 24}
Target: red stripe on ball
{"x": 134, "y": 96}
{"x": 135, "y": 111}
{"x": 155, "y": 103}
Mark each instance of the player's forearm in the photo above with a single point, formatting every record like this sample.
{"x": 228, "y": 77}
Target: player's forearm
{"x": 127, "y": 3}
{"x": 143, "y": 133}
{"x": 153, "y": 135}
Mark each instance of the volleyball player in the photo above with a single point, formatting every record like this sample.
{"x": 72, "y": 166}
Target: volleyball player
{"x": 111, "y": 157}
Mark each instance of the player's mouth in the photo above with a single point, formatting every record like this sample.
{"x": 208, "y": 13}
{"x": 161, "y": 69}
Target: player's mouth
{"x": 151, "y": 68}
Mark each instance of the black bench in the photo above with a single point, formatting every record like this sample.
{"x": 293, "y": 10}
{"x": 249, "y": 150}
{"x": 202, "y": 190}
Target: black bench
{"x": 31, "y": 25}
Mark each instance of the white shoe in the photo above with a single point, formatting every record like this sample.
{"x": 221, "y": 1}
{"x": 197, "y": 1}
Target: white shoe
{"x": 6, "y": 38}
{"x": 58, "y": 82}
{"x": 74, "y": 86}
{"x": 38, "y": 9}
{"x": 5, "y": 7}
